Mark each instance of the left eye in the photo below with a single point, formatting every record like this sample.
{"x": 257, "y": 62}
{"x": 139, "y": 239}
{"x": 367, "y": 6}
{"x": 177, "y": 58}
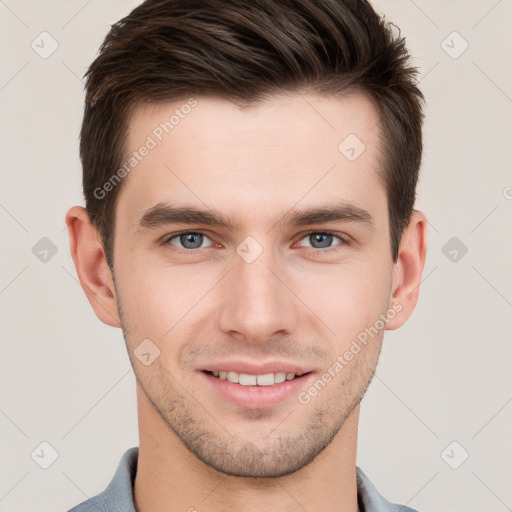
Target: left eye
{"x": 320, "y": 240}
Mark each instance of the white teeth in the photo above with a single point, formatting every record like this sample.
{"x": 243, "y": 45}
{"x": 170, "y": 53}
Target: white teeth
{"x": 279, "y": 377}
{"x": 233, "y": 377}
{"x": 245, "y": 379}
{"x": 265, "y": 380}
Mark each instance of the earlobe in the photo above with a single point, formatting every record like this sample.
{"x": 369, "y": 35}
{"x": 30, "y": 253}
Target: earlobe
{"x": 408, "y": 269}
{"x": 91, "y": 265}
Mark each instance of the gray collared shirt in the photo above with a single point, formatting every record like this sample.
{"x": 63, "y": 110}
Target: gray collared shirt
{"x": 118, "y": 496}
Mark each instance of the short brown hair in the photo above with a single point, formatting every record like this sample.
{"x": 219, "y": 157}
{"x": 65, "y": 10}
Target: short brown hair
{"x": 244, "y": 51}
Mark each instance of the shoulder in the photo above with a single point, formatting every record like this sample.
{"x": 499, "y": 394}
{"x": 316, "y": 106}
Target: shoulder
{"x": 95, "y": 504}
{"x": 119, "y": 493}
{"x": 370, "y": 500}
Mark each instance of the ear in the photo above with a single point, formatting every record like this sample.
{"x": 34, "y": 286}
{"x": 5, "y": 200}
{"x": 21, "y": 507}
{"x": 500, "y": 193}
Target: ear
{"x": 91, "y": 265}
{"x": 408, "y": 269}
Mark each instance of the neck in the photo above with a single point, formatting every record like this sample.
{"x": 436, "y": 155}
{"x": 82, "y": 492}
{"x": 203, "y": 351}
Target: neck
{"x": 169, "y": 477}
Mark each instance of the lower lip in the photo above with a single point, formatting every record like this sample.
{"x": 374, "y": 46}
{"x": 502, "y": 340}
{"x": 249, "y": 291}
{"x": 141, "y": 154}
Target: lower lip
{"x": 257, "y": 397}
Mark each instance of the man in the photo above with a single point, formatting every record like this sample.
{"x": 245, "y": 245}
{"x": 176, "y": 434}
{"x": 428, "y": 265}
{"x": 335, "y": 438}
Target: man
{"x": 249, "y": 171}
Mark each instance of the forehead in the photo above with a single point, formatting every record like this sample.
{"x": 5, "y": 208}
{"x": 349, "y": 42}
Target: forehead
{"x": 288, "y": 150}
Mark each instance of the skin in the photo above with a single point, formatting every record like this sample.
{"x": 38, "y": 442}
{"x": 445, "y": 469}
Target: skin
{"x": 197, "y": 449}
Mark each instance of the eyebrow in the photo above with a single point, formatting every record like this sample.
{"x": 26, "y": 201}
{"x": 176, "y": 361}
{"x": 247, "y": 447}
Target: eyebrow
{"x": 163, "y": 214}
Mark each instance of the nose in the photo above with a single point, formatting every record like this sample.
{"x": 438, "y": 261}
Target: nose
{"x": 257, "y": 302}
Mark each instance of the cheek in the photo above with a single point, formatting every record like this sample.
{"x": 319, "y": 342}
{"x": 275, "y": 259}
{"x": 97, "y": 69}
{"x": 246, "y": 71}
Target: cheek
{"x": 347, "y": 297}
{"x": 160, "y": 299}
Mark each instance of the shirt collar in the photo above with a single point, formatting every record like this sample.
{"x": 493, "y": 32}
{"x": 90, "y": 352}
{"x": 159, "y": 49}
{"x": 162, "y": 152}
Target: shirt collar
{"x": 119, "y": 493}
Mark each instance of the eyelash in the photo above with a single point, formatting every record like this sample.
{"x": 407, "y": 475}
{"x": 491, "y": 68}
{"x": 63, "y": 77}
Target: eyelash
{"x": 189, "y": 252}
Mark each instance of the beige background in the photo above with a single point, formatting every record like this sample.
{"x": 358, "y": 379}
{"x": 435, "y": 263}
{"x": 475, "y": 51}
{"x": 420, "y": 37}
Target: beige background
{"x": 65, "y": 378}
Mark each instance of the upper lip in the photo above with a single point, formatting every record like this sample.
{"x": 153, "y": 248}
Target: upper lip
{"x": 252, "y": 368}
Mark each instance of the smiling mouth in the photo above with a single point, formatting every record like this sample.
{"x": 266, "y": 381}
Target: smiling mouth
{"x": 244, "y": 379}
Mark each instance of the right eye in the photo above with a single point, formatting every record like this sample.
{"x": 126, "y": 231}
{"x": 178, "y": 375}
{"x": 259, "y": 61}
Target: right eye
{"x": 188, "y": 240}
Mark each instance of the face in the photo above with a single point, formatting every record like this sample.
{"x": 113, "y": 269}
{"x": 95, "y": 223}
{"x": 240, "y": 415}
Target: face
{"x": 252, "y": 253}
